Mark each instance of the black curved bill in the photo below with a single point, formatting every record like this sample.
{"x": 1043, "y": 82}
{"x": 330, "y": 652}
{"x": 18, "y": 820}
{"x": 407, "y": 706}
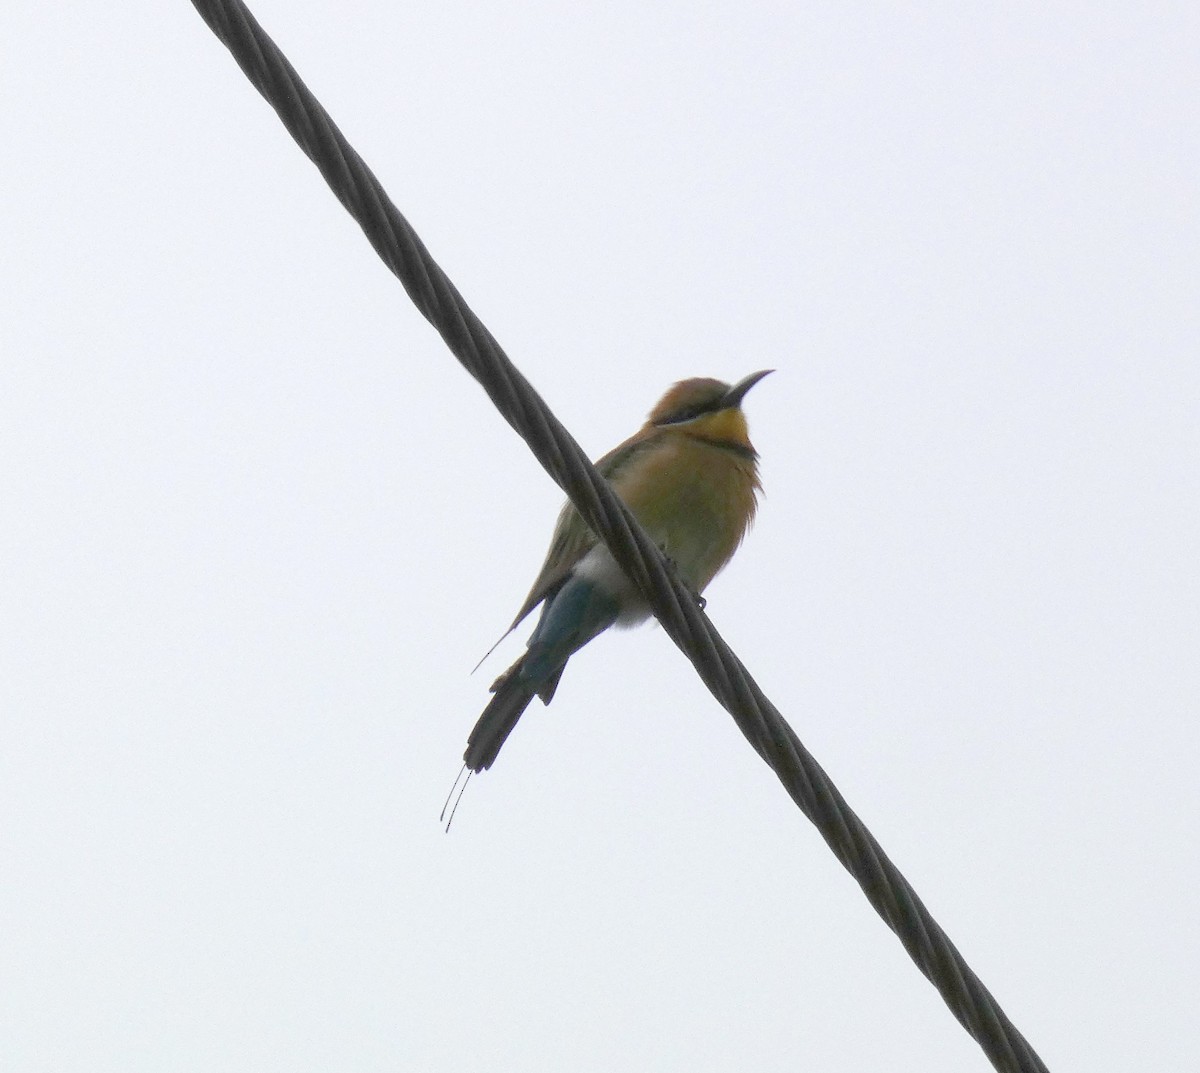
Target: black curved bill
{"x": 734, "y": 396}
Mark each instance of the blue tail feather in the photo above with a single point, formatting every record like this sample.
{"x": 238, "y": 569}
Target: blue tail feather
{"x": 570, "y": 618}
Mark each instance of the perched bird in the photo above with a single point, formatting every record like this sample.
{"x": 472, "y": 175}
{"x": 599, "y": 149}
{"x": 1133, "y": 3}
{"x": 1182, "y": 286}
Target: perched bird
{"x": 690, "y": 477}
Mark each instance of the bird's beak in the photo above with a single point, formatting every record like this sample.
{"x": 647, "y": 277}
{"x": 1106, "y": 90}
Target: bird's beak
{"x": 734, "y": 396}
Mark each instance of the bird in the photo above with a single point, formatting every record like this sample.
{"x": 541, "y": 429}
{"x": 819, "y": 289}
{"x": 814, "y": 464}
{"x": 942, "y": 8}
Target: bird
{"x": 690, "y": 477}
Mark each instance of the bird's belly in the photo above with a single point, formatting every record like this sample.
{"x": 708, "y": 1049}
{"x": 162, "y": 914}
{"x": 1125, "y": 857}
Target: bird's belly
{"x": 600, "y": 567}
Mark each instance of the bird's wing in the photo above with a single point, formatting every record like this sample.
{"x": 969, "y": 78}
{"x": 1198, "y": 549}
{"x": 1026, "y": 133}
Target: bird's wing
{"x": 572, "y": 538}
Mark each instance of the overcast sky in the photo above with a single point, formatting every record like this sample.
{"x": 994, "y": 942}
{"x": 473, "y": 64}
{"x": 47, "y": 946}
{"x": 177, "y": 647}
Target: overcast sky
{"x": 258, "y": 526}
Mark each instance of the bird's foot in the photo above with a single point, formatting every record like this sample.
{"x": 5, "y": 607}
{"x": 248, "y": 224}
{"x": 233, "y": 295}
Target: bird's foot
{"x": 700, "y": 601}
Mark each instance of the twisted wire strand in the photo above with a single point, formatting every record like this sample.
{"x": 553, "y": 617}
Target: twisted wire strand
{"x": 759, "y": 720}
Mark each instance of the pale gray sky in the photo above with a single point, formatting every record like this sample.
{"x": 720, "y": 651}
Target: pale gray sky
{"x": 259, "y": 526}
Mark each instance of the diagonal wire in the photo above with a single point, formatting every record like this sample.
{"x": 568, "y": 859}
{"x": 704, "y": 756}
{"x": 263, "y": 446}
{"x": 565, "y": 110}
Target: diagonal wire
{"x": 758, "y": 719}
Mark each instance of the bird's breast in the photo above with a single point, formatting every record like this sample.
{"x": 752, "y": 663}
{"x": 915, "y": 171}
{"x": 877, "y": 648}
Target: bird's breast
{"x": 695, "y": 499}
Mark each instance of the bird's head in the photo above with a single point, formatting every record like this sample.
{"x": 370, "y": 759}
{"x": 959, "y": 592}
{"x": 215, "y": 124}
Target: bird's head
{"x": 707, "y": 409}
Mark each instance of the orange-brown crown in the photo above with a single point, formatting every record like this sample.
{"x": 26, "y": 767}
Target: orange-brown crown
{"x": 688, "y": 400}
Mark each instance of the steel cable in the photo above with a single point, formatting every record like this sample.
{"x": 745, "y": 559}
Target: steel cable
{"x": 758, "y": 719}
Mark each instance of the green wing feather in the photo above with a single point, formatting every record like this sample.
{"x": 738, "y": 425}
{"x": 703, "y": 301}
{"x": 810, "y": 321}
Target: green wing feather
{"x": 572, "y": 539}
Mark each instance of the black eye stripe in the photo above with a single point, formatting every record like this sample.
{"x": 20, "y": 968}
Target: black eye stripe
{"x": 690, "y": 413}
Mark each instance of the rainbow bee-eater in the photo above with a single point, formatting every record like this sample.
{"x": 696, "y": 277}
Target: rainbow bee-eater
{"x": 690, "y": 477}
